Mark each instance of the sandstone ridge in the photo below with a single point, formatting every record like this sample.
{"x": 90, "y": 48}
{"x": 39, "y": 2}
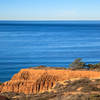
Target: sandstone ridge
{"x": 37, "y": 80}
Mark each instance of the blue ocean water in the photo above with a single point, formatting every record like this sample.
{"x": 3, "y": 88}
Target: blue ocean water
{"x": 52, "y": 43}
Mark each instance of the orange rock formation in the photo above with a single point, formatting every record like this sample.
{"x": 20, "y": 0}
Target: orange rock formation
{"x": 30, "y": 81}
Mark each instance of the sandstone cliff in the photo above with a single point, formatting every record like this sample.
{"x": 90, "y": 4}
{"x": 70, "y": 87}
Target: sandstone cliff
{"x": 32, "y": 81}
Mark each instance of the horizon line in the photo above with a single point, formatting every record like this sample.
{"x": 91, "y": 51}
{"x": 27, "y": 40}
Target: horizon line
{"x": 52, "y": 20}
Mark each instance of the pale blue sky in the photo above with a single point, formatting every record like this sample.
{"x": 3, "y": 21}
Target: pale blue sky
{"x": 49, "y": 9}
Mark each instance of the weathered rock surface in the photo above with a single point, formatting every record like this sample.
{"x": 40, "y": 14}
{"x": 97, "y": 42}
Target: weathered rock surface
{"x": 35, "y": 80}
{"x": 79, "y": 89}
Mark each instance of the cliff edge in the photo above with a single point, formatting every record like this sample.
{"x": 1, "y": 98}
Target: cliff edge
{"x": 37, "y": 80}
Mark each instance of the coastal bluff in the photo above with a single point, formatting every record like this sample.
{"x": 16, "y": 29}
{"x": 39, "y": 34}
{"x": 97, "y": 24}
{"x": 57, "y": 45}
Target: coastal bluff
{"x": 38, "y": 79}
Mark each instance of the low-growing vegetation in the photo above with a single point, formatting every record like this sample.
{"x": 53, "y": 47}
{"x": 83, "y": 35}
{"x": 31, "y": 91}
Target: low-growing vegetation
{"x": 0, "y": 83}
{"x": 78, "y": 64}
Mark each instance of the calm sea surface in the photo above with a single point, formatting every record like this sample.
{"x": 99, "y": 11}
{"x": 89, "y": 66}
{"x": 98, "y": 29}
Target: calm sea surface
{"x": 56, "y": 43}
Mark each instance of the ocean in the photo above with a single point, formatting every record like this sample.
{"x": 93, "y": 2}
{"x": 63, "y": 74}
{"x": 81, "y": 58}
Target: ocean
{"x": 26, "y": 44}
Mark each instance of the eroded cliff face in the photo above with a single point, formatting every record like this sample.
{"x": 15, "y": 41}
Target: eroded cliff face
{"x": 32, "y": 81}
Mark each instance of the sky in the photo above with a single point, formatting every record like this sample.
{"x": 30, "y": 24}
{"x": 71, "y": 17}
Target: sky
{"x": 49, "y": 9}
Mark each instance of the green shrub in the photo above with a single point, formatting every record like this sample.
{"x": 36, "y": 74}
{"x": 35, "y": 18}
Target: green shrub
{"x": 77, "y": 64}
{"x": 0, "y": 83}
